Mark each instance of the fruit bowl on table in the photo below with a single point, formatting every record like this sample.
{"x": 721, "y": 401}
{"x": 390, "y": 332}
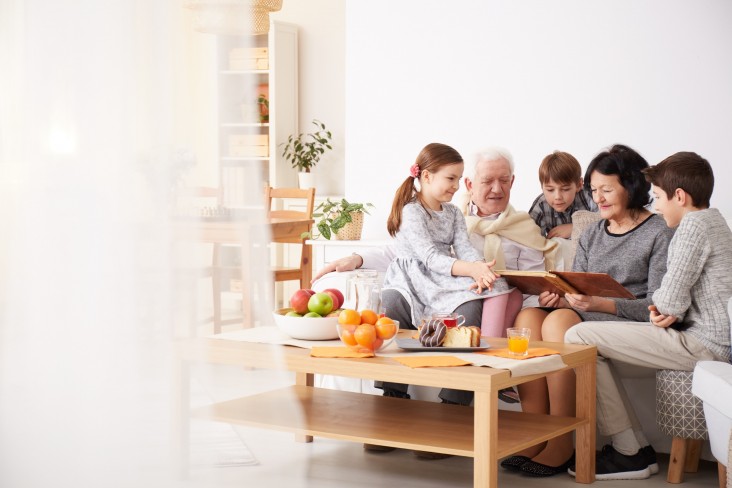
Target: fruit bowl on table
{"x": 306, "y": 328}
{"x": 366, "y": 337}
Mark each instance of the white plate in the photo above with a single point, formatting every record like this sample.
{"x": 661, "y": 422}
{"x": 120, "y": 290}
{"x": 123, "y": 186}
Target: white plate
{"x": 415, "y": 345}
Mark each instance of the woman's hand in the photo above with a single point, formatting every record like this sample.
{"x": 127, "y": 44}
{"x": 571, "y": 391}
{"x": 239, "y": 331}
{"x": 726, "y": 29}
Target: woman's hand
{"x": 660, "y": 320}
{"x": 587, "y": 303}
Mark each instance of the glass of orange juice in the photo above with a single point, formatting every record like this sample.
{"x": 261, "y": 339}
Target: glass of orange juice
{"x": 518, "y": 341}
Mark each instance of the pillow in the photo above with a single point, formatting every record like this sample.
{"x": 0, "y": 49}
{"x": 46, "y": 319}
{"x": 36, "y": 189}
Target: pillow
{"x": 580, "y": 220}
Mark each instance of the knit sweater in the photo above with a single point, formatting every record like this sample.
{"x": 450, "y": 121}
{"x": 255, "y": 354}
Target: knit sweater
{"x": 636, "y": 259}
{"x": 698, "y": 280}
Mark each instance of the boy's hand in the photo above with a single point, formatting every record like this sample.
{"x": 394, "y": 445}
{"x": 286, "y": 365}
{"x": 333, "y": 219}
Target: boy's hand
{"x": 660, "y": 320}
{"x": 564, "y": 231}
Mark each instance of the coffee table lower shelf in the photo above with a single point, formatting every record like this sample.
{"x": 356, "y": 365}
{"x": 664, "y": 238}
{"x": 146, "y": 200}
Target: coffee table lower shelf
{"x": 386, "y": 421}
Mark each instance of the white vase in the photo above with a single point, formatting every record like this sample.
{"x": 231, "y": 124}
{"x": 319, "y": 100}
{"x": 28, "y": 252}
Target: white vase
{"x": 306, "y": 180}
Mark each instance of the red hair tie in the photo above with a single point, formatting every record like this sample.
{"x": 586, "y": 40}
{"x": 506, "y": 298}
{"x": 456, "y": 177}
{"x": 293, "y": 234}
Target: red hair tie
{"x": 414, "y": 170}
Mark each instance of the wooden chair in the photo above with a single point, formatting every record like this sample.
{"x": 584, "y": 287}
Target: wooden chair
{"x": 273, "y": 202}
{"x": 227, "y": 273}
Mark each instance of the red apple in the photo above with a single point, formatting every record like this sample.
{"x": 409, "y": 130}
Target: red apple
{"x": 299, "y": 301}
{"x": 338, "y": 294}
{"x": 321, "y": 303}
{"x": 336, "y": 301}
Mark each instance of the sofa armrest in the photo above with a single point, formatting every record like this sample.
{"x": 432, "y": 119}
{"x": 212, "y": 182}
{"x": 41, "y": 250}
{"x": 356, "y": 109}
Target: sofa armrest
{"x": 713, "y": 384}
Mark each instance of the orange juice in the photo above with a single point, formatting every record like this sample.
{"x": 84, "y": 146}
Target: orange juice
{"x": 518, "y": 345}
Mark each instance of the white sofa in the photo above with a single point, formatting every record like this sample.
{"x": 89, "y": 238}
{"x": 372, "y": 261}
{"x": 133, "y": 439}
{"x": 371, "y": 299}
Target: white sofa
{"x": 713, "y": 385}
{"x": 640, "y": 383}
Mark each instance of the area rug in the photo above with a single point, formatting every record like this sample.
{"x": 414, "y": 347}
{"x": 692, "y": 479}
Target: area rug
{"x": 215, "y": 443}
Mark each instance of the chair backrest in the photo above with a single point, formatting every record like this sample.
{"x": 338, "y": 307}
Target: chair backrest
{"x": 275, "y": 197}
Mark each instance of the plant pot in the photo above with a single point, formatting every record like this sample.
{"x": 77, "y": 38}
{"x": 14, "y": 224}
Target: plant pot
{"x": 352, "y": 230}
{"x": 306, "y": 180}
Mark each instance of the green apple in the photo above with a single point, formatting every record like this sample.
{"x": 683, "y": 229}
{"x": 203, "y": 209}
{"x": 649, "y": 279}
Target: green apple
{"x": 312, "y": 315}
{"x": 292, "y": 314}
{"x": 321, "y": 303}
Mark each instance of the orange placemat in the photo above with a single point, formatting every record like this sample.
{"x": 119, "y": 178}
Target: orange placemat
{"x": 431, "y": 361}
{"x": 338, "y": 352}
{"x": 534, "y": 352}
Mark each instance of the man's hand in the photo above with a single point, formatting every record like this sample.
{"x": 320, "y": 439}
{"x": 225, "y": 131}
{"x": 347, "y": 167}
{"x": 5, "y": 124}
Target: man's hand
{"x": 564, "y": 231}
{"x": 660, "y": 320}
{"x": 347, "y": 263}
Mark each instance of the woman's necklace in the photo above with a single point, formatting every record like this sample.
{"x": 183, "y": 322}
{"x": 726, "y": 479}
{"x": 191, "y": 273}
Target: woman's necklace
{"x": 618, "y": 228}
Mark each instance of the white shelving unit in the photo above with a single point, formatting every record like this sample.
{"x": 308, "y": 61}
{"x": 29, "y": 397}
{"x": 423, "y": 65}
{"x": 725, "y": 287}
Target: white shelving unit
{"x": 248, "y": 147}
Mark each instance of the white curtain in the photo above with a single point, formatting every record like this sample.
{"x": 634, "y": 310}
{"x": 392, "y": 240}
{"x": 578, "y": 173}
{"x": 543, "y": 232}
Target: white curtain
{"x": 105, "y": 109}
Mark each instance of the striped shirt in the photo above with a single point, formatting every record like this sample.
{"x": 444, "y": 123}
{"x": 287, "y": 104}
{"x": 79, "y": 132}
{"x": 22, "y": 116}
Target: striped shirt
{"x": 547, "y": 218}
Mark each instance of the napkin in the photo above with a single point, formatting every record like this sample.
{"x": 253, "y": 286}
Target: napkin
{"x": 338, "y": 352}
{"x": 431, "y": 361}
{"x": 534, "y": 352}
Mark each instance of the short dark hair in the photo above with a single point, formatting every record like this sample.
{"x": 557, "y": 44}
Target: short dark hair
{"x": 686, "y": 170}
{"x": 561, "y": 167}
{"x": 627, "y": 165}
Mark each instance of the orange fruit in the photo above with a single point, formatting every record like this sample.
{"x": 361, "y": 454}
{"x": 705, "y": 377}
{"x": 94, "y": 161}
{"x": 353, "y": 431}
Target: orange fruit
{"x": 365, "y": 336}
{"x": 348, "y": 337}
{"x": 385, "y": 320}
{"x": 349, "y": 317}
{"x": 378, "y": 343}
{"x": 368, "y": 317}
{"x": 385, "y": 331}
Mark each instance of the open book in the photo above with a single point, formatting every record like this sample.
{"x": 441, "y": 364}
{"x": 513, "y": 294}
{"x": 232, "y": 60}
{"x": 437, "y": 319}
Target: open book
{"x": 561, "y": 282}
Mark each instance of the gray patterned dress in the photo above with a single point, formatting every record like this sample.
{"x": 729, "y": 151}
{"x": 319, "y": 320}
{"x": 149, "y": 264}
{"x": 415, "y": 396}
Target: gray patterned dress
{"x": 422, "y": 269}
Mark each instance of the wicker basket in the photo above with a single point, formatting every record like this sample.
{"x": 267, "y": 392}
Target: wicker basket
{"x": 352, "y": 230}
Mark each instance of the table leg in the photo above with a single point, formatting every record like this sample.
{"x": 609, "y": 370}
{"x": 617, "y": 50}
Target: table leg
{"x": 246, "y": 280}
{"x": 485, "y": 439}
{"x": 180, "y": 417}
{"x": 585, "y": 436}
{"x": 304, "y": 379}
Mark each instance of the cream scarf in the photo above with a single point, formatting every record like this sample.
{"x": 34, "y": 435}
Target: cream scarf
{"x": 516, "y": 226}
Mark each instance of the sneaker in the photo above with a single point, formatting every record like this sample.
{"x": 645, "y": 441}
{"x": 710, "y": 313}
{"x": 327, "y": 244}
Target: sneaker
{"x": 649, "y": 454}
{"x": 612, "y": 465}
{"x": 396, "y": 394}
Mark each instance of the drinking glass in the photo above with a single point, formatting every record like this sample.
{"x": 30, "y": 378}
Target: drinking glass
{"x": 518, "y": 341}
{"x": 449, "y": 319}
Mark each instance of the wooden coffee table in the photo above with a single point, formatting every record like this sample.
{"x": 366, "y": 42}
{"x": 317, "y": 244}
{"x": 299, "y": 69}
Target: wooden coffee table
{"x": 481, "y": 432}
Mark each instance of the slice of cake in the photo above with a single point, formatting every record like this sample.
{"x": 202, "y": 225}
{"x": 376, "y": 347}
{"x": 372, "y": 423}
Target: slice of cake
{"x": 462, "y": 337}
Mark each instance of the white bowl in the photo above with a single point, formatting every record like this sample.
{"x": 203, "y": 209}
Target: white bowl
{"x": 310, "y": 329}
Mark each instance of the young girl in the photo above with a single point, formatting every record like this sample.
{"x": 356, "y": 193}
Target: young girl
{"x": 436, "y": 268}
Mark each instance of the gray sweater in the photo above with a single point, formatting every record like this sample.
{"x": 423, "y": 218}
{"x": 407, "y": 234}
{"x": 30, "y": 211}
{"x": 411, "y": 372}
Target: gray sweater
{"x": 698, "y": 283}
{"x": 636, "y": 259}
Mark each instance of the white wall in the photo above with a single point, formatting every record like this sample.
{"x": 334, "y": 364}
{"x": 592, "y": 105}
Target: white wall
{"x": 322, "y": 79}
{"x": 533, "y": 76}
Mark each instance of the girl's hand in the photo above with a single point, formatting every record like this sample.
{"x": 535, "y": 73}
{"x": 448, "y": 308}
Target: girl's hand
{"x": 483, "y": 283}
{"x": 549, "y": 299}
{"x": 482, "y": 273}
{"x": 660, "y": 320}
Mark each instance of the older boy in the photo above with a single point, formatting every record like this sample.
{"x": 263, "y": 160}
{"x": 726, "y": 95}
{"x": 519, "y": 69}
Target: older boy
{"x": 689, "y": 320}
{"x": 562, "y": 195}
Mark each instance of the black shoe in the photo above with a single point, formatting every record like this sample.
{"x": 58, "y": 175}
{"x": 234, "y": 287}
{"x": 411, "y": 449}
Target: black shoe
{"x": 377, "y": 448}
{"x": 612, "y": 465}
{"x": 538, "y": 470}
{"x": 514, "y": 463}
{"x": 509, "y": 395}
{"x": 449, "y": 402}
{"x": 649, "y": 454}
{"x": 431, "y": 456}
{"x": 396, "y": 394}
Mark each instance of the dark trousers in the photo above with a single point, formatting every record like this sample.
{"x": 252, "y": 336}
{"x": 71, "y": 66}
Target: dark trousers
{"x": 398, "y": 309}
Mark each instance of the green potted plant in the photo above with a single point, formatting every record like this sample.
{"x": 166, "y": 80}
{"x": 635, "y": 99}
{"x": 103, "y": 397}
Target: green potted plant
{"x": 341, "y": 219}
{"x": 305, "y": 150}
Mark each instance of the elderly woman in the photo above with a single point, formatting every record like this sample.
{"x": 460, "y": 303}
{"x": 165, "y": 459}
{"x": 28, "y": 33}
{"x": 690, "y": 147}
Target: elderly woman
{"x": 630, "y": 244}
